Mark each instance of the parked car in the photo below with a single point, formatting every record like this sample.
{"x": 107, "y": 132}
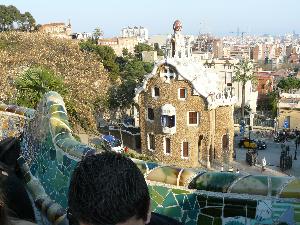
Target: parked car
{"x": 261, "y": 145}
{"x": 247, "y": 143}
{"x": 111, "y": 143}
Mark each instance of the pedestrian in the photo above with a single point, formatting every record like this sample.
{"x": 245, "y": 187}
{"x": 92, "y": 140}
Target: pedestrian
{"x": 296, "y": 143}
{"x": 264, "y": 163}
{"x": 237, "y": 170}
{"x": 222, "y": 168}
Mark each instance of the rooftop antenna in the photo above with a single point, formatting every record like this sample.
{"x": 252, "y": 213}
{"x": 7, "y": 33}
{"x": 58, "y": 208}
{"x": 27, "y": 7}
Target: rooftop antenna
{"x": 199, "y": 34}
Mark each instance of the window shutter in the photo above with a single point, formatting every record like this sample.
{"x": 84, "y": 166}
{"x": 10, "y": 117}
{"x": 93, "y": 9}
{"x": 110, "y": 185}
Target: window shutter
{"x": 168, "y": 145}
{"x": 185, "y": 146}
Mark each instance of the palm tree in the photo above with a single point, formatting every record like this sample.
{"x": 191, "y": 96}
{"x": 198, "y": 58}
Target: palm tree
{"x": 243, "y": 74}
{"x": 34, "y": 83}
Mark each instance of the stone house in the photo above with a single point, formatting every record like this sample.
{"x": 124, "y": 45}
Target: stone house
{"x": 57, "y": 29}
{"x": 185, "y": 119}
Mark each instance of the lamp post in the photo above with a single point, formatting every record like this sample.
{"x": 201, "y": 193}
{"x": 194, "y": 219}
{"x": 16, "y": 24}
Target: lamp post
{"x": 250, "y": 128}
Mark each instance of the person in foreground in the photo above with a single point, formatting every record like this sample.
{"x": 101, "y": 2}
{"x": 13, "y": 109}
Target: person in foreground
{"x": 109, "y": 189}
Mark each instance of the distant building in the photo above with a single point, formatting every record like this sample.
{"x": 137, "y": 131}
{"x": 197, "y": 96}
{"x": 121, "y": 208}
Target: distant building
{"x": 258, "y": 53}
{"x": 57, "y": 29}
{"x": 203, "y": 43}
{"x": 240, "y": 51}
{"x": 118, "y": 44}
{"x": 184, "y": 117}
{"x": 149, "y": 56}
{"x": 159, "y": 40}
{"x": 288, "y": 110}
{"x": 81, "y": 36}
{"x": 218, "y": 48}
{"x": 140, "y": 33}
{"x": 225, "y": 69}
{"x": 265, "y": 85}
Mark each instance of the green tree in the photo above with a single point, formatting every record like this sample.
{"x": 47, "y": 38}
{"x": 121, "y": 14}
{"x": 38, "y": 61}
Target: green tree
{"x": 34, "y": 83}
{"x": 289, "y": 83}
{"x": 97, "y": 33}
{"x": 135, "y": 71}
{"x": 160, "y": 52}
{"x": 139, "y": 48}
{"x": 132, "y": 73}
{"x": 273, "y": 98}
{"x": 122, "y": 96}
{"x": 8, "y": 16}
{"x": 243, "y": 74}
{"x": 26, "y": 22}
{"x": 11, "y": 18}
{"x": 125, "y": 52}
{"x": 106, "y": 55}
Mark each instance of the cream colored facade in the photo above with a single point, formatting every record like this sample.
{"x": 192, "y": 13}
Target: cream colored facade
{"x": 118, "y": 44}
{"x": 225, "y": 69}
{"x": 288, "y": 111}
{"x": 149, "y": 56}
{"x": 57, "y": 29}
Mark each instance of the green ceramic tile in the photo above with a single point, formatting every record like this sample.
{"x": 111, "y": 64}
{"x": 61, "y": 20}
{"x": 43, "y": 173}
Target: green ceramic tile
{"x": 180, "y": 199}
{"x": 186, "y": 204}
{"x": 156, "y": 197}
{"x": 174, "y": 212}
{"x": 217, "y": 221}
{"x": 291, "y": 190}
{"x": 170, "y": 200}
{"x": 205, "y": 220}
{"x": 214, "y": 181}
{"x": 178, "y": 191}
{"x": 163, "y": 191}
{"x": 193, "y": 214}
{"x": 191, "y": 222}
{"x": 257, "y": 185}
{"x": 276, "y": 184}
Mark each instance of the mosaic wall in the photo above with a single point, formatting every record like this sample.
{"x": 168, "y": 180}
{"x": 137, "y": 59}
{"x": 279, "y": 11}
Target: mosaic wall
{"x": 192, "y": 196}
{"x": 12, "y": 120}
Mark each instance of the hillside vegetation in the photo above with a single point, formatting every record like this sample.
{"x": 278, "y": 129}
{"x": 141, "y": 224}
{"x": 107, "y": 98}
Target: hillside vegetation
{"x": 83, "y": 75}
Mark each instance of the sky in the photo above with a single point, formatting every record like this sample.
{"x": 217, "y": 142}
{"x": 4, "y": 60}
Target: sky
{"x": 219, "y": 17}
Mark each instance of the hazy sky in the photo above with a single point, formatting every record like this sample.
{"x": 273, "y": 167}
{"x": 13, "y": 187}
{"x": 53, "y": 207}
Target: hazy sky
{"x": 219, "y": 17}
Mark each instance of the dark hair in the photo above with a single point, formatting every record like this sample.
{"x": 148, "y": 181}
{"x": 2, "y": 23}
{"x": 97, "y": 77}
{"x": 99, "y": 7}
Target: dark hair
{"x": 3, "y": 213}
{"x": 107, "y": 188}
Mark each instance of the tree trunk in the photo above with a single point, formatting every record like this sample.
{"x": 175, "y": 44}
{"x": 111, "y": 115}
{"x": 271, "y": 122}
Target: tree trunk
{"x": 243, "y": 102}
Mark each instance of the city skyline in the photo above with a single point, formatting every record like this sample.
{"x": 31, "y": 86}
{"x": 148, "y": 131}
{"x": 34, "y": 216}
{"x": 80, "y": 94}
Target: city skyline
{"x": 217, "y": 17}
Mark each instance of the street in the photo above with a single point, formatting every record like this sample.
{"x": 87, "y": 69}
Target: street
{"x": 272, "y": 154}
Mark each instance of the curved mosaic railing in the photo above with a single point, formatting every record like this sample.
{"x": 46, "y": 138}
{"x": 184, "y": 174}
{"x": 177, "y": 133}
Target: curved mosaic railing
{"x": 50, "y": 153}
{"x": 225, "y": 182}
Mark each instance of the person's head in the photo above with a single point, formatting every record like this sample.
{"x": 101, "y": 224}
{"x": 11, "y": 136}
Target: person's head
{"x": 108, "y": 189}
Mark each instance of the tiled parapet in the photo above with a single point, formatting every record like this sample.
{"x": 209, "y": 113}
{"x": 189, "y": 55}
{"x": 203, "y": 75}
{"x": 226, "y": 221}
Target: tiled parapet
{"x": 50, "y": 149}
{"x": 223, "y": 182}
{"x": 50, "y": 212}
